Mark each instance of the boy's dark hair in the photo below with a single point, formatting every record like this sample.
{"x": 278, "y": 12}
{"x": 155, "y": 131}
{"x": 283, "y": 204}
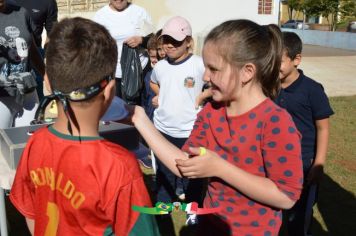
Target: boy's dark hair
{"x": 152, "y": 43}
{"x": 292, "y": 44}
{"x": 79, "y": 54}
{"x": 159, "y": 32}
{"x": 159, "y": 39}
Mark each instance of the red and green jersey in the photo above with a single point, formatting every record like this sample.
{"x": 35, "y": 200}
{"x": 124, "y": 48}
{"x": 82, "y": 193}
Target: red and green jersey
{"x": 263, "y": 142}
{"x": 86, "y": 186}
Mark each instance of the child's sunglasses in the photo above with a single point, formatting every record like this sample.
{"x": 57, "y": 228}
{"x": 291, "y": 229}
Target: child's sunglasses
{"x": 83, "y": 94}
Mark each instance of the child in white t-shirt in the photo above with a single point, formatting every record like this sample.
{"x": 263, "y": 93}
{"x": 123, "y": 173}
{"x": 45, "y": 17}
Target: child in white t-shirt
{"x": 177, "y": 80}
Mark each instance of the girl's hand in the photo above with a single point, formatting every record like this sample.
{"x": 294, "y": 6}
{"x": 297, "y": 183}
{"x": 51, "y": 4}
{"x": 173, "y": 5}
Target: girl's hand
{"x": 136, "y": 113}
{"x": 207, "y": 165}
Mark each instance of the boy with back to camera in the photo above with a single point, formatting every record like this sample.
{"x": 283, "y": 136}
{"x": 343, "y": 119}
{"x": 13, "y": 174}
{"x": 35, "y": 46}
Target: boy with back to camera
{"x": 309, "y": 107}
{"x": 70, "y": 181}
{"x": 177, "y": 80}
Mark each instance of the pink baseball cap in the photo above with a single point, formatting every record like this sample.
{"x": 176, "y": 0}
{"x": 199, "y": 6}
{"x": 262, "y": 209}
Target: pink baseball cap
{"x": 178, "y": 28}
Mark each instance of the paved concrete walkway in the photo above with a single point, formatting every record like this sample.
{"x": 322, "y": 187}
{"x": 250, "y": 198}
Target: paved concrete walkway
{"x": 334, "y": 68}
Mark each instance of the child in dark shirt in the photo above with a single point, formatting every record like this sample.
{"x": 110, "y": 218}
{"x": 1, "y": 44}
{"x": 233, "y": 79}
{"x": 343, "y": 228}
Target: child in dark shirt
{"x": 307, "y": 103}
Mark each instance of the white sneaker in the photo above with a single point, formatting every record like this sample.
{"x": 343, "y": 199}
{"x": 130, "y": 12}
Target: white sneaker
{"x": 182, "y": 197}
{"x": 192, "y": 219}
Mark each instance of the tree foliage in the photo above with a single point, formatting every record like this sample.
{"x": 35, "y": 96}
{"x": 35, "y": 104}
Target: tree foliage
{"x": 348, "y": 9}
{"x": 332, "y": 10}
{"x": 293, "y": 7}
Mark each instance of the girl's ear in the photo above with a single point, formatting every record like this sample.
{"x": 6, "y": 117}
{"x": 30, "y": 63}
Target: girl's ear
{"x": 249, "y": 72}
{"x": 47, "y": 84}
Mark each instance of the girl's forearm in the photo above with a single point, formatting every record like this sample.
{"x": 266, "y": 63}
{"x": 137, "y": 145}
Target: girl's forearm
{"x": 163, "y": 149}
{"x": 259, "y": 188}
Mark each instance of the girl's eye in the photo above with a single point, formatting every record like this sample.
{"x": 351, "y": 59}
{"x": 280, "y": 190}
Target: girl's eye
{"x": 213, "y": 70}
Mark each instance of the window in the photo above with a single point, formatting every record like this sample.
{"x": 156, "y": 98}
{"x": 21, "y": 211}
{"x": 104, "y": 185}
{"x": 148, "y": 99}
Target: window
{"x": 265, "y": 7}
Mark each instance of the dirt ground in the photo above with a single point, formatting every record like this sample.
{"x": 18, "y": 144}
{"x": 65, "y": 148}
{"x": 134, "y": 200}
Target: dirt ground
{"x": 334, "y": 68}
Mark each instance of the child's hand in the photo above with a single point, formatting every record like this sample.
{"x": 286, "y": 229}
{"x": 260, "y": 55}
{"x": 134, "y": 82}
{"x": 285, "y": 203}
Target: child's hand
{"x": 133, "y": 41}
{"x": 315, "y": 174}
{"x": 155, "y": 101}
{"x": 199, "y": 100}
{"x": 207, "y": 165}
{"x": 135, "y": 113}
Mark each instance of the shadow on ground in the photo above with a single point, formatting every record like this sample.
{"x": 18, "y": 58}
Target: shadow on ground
{"x": 337, "y": 208}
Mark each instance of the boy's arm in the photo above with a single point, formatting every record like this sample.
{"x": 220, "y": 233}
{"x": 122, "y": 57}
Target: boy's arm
{"x": 31, "y": 225}
{"x": 317, "y": 170}
{"x": 154, "y": 87}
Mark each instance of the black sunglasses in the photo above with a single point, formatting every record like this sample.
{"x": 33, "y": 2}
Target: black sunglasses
{"x": 83, "y": 94}
{"x": 169, "y": 40}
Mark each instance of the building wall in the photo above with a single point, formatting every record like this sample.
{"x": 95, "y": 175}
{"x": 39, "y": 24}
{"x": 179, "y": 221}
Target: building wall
{"x": 205, "y": 14}
{"x": 342, "y": 40}
{"x": 284, "y": 14}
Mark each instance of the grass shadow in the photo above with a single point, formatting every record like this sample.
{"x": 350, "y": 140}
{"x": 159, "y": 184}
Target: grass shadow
{"x": 318, "y": 230}
{"x": 337, "y": 208}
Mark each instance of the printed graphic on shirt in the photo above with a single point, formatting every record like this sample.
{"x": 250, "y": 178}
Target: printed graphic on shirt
{"x": 14, "y": 49}
{"x": 189, "y": 82}
{"x": 46, "y": 176}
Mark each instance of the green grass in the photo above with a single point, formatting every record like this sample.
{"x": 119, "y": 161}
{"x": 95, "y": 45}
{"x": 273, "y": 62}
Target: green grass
{"x": 335, "y": 213}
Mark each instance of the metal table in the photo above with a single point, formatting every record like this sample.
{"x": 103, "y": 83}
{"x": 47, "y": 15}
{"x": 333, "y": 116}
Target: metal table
{"x": 6, "y": 177}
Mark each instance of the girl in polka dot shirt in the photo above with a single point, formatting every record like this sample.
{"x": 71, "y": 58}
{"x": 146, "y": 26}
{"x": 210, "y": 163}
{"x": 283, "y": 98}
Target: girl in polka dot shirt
{"x": 253, "y": 148}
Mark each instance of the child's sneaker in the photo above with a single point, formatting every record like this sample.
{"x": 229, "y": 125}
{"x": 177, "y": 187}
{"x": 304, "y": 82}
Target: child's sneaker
{"x": 180, "y": 193}
{"x": 146, "y": 162}
{"x": 192, "y": 219}
{"x": 181, "y": 197}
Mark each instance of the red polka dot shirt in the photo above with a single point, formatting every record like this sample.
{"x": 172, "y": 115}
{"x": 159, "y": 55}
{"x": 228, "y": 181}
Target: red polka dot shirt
{"x": 264, "y": 142}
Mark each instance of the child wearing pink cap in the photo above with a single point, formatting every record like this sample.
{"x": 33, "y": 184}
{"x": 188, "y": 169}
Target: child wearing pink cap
{"x": 177, "y": 80}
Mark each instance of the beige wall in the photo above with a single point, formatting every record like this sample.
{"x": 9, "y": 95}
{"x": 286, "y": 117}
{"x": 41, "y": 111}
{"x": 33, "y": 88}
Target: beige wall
{"x": 205, "y": 14}
{"x": 202, "y": 14}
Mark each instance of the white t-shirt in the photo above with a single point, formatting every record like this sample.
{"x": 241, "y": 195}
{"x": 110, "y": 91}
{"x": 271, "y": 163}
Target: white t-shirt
{"x": 179, "y": 84}
{"x": 134, "y": 20}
